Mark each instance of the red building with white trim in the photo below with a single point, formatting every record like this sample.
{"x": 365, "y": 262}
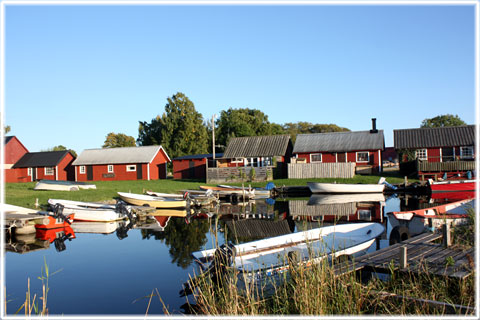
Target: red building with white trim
{"x": 361, "y": 147}
{"x": 49, "y": 165}
{"x": 192, "y": 167}
{"x": 14, "y": 150}
{"x": 129, "y": 163}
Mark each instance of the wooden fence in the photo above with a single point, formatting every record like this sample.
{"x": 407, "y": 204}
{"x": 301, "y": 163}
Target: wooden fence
{"x": 423, "y": 166}
{"x": 238, "y": 174}
{"x": 321, "y": 170}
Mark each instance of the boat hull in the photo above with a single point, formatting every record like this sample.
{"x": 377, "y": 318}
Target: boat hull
{"x": 89, "y": 211}
{"x": 151, "y": 201}
{"x": 62, "y": 185}
{"x": 452, "y": 186}
{"x": 316, "y": 187}
{"x": 454, "y": 210}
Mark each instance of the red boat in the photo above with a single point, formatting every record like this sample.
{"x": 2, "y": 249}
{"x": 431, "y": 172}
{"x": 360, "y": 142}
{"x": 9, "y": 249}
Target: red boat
{"x": 454, "y": 210}
{"x": 52, "y": 234}
{"x": 451, "y": 185}
{"x": 56, "y": 222}
{"x": 452, "y": 196}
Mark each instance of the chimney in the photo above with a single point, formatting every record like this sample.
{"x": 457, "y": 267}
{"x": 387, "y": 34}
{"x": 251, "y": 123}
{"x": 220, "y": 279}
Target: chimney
{"x": 374, "y": 126}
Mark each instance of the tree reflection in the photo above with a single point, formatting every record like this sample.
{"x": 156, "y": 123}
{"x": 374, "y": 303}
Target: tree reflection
{"x": 181, "y": 238}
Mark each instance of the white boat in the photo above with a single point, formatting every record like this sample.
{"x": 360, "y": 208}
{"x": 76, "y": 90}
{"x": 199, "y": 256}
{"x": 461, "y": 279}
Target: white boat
{"x": 321, "y": 199}
{"x": 62, "y": 185}
{"x": 152, "y": 201}
{"x": 96, "y": 227}
{"x": 259, "y": 192}
{"x": 165, "y": 195}
{"x": 269, "y": 256}
{"x": 318, "y": 187}
{"x": 90, "y": 211}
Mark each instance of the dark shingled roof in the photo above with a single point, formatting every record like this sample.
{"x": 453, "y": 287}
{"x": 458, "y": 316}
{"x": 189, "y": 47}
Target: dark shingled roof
{"x": 7, "y": 139}
{"x": 40, "y": 159}
{"x": 434, "y": 137}
{"x": 199, "y": 156}
{"x": 258, "y": 146}
{"x": 339, "y": 141}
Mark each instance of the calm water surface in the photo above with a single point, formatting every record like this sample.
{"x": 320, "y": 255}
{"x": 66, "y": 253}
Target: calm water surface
{"x": 103, "y": 274}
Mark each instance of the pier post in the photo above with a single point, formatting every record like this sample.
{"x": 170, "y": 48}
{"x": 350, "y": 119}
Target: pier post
{"x": 447, "y": 240}
{"x": 403, "y": 257}
{"x": 36, "y": 203}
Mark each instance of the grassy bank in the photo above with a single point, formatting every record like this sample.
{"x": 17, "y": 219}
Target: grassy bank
{"x": 22, "y": 194}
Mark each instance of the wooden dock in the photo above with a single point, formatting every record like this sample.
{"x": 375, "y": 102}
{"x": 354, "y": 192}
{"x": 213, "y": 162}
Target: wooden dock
{"x": 418, "y": 255}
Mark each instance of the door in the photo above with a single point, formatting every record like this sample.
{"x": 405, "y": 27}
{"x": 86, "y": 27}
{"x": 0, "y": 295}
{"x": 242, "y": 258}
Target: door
{"x": 191, "y": 169}
{"x": 90, "y": 173}
{"x": 139, "y": 172}
{"x": 34, "y": 174}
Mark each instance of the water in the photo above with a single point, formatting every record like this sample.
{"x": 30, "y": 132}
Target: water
{"x": 102, "y": 274}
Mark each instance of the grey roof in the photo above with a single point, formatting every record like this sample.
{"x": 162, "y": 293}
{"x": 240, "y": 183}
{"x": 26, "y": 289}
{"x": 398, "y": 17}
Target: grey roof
{"x": 257, "y": 146}
{"x": 434, "y": 137}
{"x": 40, "y": 159}
{"x": 118, "y": 155}
{"x": 339, "y": 141}
{"x": 257, "y": 228}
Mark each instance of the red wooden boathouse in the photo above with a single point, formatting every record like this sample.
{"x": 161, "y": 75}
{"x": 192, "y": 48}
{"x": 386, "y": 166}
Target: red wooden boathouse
{"x": 14, "y": 150}
{"x": 129, "y": 163}
{"x": 49, "y": 165}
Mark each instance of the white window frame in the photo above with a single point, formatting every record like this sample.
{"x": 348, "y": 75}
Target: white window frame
{"x": 131, "y": 167}
{"x": 419, "y": 154}
{"x": 49, "y": 171}
{"x": 361, "y": 152}
{"x": 469, "y": 154}
{"x": 315, "y": 154}
{"x": 81, "y": 169}
{"x": 30, "y": 172}
{"x": 110, "y": 168}
{"x": 237, "y": 160}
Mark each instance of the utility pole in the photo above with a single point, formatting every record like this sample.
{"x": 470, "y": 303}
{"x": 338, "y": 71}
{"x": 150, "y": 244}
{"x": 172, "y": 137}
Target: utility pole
{"x": 213, "y": 136}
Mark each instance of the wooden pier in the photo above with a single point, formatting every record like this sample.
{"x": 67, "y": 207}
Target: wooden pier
{"x": 417, "y": 255}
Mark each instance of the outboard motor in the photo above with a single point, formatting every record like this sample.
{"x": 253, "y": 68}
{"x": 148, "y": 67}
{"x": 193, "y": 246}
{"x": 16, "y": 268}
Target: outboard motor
{"x": 60, "y": 242}
{"x": 58, "y": 213}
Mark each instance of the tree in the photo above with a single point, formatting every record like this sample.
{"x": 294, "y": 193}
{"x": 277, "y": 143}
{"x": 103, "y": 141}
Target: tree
{"x": 7, "y": 129}
{"x": 62, "y": 148}
{"x": 306, "y": 127}
{"x": 446, "y": 120}
{"x": 118, "y": 140}
{"x": 180, "y": 130}
{"x": 243, "y": 123}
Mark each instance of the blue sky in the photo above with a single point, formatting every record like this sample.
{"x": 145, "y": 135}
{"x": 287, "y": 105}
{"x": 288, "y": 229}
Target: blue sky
{"x": 75, "y": 73}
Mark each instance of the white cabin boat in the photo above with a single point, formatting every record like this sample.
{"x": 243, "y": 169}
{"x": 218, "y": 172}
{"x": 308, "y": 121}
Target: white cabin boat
{"x": 90, "y": 211}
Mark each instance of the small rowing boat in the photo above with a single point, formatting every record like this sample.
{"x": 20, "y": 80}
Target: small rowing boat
{"x": 451, "y": 185}
{"x": 454, "y": 210}
{"x": 229, "y": 192}
{"x": 268, "y": 256}
{"x": 318, "y": 187}
{"x": 259, "y": 192}
{"x": 91, "y": 211}
{"x": 152, "y": 201}
{"x": 59, "y": 185}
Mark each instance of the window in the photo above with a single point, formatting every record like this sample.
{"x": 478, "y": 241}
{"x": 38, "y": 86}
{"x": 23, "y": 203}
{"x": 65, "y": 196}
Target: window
{"x": 82, "y": 169}
{"x": 268, "y": 161}
{"x": 29, "y": 172}
{"x": 316, "y": 157}
{"x": 110, "y": 168}
{"x": 363, "y": 156}
{"x": 421, "y": 154}
{"x": 131, "y": 167}
{"x": 466, "y": 152}
{"x": 49, "y": 171}
{"x": 237, "y": 160}
{"x": 364, "y": 215}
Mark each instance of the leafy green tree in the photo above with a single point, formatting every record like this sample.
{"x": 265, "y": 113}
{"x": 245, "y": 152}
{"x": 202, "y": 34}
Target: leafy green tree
{"x": 7, "y": 129}
{"x": 61, "y": 148}
{"x": 446, "y": 120}
{"x": 118, "y": 140}
{"x": 180, "y": 130}
{"x": 301, "y": 127}
{"x": 243, "y": 123}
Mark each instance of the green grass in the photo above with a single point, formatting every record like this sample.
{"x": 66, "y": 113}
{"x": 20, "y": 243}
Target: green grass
{"x": 22, "y": 194}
